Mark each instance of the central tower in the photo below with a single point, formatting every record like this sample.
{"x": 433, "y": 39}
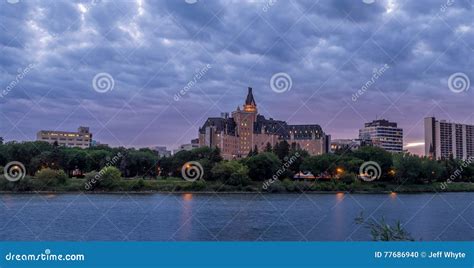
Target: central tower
{"x": 245, "y": 120}
{"x": 250, "y": 106}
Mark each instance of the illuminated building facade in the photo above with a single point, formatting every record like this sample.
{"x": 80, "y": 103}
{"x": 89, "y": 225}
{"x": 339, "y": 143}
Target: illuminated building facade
{"x": 82, "y": 138}
{"x": 245, "y": 129}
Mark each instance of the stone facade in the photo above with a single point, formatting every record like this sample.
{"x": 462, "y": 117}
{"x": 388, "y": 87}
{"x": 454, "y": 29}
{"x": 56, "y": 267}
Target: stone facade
{"x": 245, "y": 129}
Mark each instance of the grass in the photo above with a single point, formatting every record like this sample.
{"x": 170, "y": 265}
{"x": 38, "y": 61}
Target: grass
{"x": 30, "y": 184}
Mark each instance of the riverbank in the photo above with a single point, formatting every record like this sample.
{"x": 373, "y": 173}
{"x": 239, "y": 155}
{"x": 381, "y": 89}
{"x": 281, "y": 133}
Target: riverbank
{"x": 177, "y": 185}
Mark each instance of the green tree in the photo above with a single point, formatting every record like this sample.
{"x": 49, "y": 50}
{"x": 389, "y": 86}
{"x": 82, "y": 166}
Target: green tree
{"x": 262, "y": 166}
{"x": 376, "y": 154}
{"x": 320, "y": 163}
{"x": 282, "y": 149}
{"x": 268, "y": 148}
{"x": 407, "y": 168}
{"x": 231, "y": 172}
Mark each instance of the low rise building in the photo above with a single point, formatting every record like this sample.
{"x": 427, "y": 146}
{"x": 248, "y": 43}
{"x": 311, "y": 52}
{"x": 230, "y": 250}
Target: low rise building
{"x": 82, "y": 138}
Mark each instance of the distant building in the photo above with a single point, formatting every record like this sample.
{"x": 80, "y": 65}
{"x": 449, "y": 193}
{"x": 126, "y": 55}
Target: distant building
{"x": 238, "y": 134}
{"x": 82, "y": 138}
{"x": 95, "y": 143}
{"x": 162, "y": 151}
{"x": 383, "y": 134}
{"x": 187, "y": 147}
{"x": 348, "y": 144}
{"x": 444, "y": 139}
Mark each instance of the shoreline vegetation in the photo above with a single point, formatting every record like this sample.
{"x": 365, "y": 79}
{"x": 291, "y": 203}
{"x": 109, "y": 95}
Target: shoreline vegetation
{"x": 178, "y": 186}
{"x": 283, "y": 168}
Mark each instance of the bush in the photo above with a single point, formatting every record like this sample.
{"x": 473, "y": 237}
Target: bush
{"x": 109, "y": 177}
{"x": 22, "y": 185}
{"x": 275, "y": 187}
{"x": 138, "y": 185}
{"x": 51, "y": 176}
{"x": 231, "y": 173}
{"x": 106, "y": 178}
{"x": 348, "y": 178}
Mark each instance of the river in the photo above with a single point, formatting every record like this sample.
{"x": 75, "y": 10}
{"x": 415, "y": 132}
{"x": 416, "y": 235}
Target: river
{"x": 230, "y": 217}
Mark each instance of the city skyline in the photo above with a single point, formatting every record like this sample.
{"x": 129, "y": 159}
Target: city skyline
{"x": 171, "y": 65}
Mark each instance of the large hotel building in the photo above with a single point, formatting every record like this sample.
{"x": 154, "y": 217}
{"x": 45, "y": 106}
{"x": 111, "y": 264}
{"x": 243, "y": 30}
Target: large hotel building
{"x": 82, "y": 138}
{"x": 383, "y": 134}
{"x": 445, "y": 139}
{"x": 239, "y": 133}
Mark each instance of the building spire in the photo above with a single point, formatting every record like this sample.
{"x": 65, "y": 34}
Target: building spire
{"x": 250, "y": 100}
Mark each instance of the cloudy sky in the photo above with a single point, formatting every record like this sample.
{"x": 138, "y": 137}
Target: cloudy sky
{"x": 162, "y": 67}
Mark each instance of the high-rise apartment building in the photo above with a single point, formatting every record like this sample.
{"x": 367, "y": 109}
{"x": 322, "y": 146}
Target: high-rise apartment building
{"x": 82, "y": 138}
{"x": 383, "y": 134}
{"x": 445, "y": 139}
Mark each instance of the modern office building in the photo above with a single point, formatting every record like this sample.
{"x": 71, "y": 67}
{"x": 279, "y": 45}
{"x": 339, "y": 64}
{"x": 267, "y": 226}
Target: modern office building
{"x": 445, "y": 139}
{"x": 383, "y": 134}
{"x": 82, "y": 138}
{"x": 239, "y": 133}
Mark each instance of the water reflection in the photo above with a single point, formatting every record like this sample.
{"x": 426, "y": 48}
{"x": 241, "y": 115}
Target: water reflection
{"x": 185, "y": 222}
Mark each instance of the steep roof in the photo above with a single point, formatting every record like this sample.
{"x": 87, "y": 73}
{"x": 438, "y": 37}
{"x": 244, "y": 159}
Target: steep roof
{"x": 250, "y": 100}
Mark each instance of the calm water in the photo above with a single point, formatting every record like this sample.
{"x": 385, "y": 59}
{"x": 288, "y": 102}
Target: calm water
{"x": 198, "y": 217}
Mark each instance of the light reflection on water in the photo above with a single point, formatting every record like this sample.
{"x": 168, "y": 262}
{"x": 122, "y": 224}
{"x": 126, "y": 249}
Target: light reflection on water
{"x": 228, "y": 217}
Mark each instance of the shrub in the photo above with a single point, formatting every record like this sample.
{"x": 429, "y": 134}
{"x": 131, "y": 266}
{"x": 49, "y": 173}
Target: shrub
{"x": 22, "y": 185}
{"x": 106, "y": 178}
{"x": 109, "y": 177}
{"x": 275, "y": 187}
{"x": 51, "y": 176}
{"x": 138, "y": 185}
{"x": 348, "y": 178}
{"x": 231, "y": 173}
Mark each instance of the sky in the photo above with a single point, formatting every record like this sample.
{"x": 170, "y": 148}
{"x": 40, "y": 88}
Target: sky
{"x": 147, "y": 73}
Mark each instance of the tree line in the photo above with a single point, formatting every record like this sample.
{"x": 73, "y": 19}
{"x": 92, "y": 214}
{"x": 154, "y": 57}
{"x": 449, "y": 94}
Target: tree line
{"x": 257, "y": 166}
